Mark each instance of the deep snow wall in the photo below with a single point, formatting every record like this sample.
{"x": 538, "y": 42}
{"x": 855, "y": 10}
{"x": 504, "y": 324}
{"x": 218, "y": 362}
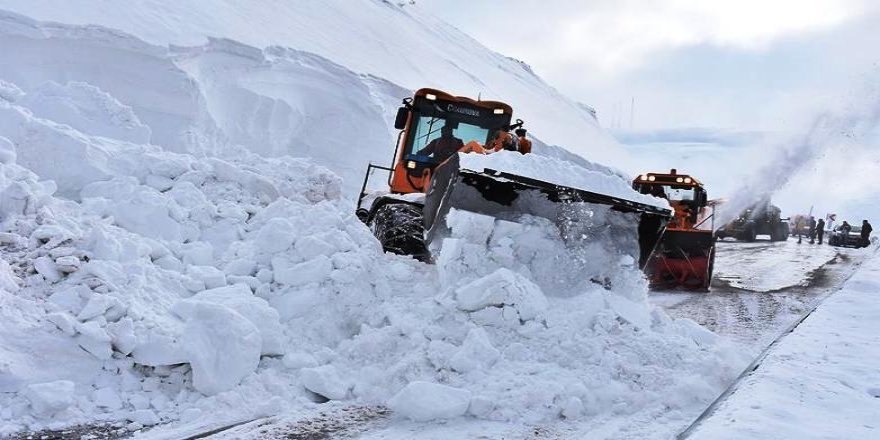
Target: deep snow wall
{"x": 404, "y": 45}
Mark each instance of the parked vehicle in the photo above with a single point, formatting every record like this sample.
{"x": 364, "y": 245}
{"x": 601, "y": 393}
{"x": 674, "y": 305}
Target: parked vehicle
{"x": 840, "y": 237}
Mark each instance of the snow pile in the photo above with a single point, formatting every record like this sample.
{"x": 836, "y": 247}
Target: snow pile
{"x": 153, "y": 268}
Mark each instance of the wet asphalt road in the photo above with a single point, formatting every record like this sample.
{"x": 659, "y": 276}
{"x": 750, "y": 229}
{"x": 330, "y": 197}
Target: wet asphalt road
{"x": 761, "y": 288}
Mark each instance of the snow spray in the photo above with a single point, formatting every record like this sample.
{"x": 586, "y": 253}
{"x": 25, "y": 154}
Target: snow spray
{"x": 828, "y": 136}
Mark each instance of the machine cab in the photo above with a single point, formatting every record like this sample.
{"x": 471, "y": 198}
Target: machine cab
{"x": 685, "y": 193}
{"x": 435, "y": 125}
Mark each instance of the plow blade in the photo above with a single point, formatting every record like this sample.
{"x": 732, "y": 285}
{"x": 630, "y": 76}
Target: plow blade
{"x": 508, "y": 196}
{"x": 684, "y": 258}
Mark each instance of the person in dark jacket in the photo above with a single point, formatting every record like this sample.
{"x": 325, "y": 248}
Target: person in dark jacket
{"x": 820, "y": 230}
{"x": 444, "y": 146}
{"x": 866, "y": 233}
{"x": 812, "y": 229}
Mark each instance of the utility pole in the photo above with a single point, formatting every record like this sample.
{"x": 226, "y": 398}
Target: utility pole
{"x": 632, "y": 111}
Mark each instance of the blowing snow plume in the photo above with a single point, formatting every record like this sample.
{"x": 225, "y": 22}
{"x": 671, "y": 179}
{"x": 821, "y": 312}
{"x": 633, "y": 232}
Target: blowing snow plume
{"x": 837, "y": 146}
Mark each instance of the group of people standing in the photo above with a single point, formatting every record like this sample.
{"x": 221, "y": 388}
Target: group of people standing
{"x": 817, "y": 231}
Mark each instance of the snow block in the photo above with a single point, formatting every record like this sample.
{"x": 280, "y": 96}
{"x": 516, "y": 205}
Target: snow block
{"x": 70, "y": 299}
{"x": 239, "y": 298}
{"x": 476, "y": 352}
{"x": 313, "y": 271}
{"x": 502, "y": 288}
{"x": 277, "y": 235}
{"x": 425, "y": 401}
{"x": 325, "y": 380}
{"x": 47, "y": 268}
{"x": 209, "y": 275}
{"x": 50, "y": 397}
{"x": 222, "y": 347}
{"x": 145, "y": 417}
{"x": 7, "y": 149}
{"x": 94, "y": 339}
{"x": 64, "y": 322}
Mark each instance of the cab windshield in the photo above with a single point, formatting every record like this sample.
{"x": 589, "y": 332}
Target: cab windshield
{"x": 429, "y": 128}
{"x": 674, "y": 193}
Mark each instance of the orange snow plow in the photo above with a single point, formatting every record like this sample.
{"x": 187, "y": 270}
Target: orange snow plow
{"x": 427, "y": 179}
{"x": 685, "y": 256}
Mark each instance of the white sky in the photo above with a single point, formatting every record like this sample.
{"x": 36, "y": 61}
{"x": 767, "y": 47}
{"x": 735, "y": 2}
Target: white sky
{"x": 745, "y": 64}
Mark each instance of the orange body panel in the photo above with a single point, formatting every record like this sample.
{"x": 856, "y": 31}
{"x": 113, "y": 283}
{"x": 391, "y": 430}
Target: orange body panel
{"x": 405, "y": 181}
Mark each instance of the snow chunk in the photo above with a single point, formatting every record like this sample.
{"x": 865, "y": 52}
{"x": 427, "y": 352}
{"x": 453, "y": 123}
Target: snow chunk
{"x": 70, "y": 299}
{"x": 210, "y": 276}
{"x": 145, "y": 417}
{"x": 277, "y": 235}
{"x": 9, "y": 92}
{"x": 94, "y": 339}
{"x": 222, "y": 346}
{"x": 122, "y": 334}
{"x": 325, "y": 381}
{"x": 502, "y": 288}
{"x": 47, "y": 268}
{"x": 67, "y": 264}
{"x": 64, "y": 322}
{"x": 425, "y": 401}
{"x": 96, "y": 306}
{"x": 240, "y": 299}
{"x": 107, "y": 398}
{"x": 7, "y": 150}
{"x": 476, "y": 352}
{"x": 50, "y": 397}
{"x": 312, "y": 271}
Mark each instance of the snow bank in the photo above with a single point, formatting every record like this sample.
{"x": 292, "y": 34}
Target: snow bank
{"x": 820, "y": 381}
{"x": 373, "y": 38}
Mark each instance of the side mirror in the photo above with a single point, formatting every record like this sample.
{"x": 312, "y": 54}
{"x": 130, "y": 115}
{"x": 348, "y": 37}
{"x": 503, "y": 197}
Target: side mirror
{"x": 400, "y": 120}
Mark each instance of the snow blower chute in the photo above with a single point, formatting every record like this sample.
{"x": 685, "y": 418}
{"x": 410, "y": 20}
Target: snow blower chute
{"x": 427, "y": 178}
{"x": 685, "y": 256}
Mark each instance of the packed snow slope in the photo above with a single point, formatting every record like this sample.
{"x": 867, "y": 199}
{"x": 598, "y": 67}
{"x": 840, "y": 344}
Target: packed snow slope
{"x": 371, "y": 43}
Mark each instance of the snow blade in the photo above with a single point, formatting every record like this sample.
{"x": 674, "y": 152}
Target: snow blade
{"x": 508, "y": 196}
{"x": 683, "y": 258}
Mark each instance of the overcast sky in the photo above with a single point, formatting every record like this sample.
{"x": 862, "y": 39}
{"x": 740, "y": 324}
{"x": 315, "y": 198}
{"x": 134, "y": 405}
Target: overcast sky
{"x": 741, "y": 65}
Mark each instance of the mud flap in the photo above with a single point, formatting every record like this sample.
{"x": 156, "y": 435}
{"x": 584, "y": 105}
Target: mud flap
{"x": 507, "y": 196}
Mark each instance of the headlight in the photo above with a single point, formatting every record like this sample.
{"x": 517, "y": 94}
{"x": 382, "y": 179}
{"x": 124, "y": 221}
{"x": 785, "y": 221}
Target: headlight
{"x": 643, "y": 177}
{"x": 499, "y": 111}
{"x": 431, "y": 97}
{"x": 411, "y": 165}
{"x": 652, "y": 178}
{"x": 679, "y": 179}
{"x": 687, "y": 180}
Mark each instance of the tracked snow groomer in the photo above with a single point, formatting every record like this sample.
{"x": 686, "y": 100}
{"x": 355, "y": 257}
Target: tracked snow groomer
{"x": 685, "y": 256}
{"x": 426, "y": 178}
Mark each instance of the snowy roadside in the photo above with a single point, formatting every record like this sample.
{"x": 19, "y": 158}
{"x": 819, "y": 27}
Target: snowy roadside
{"x": 820, "y": 381}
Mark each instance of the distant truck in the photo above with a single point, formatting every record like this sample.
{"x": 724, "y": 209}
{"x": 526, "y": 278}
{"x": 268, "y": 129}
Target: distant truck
{"x": 762, "y": 218}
